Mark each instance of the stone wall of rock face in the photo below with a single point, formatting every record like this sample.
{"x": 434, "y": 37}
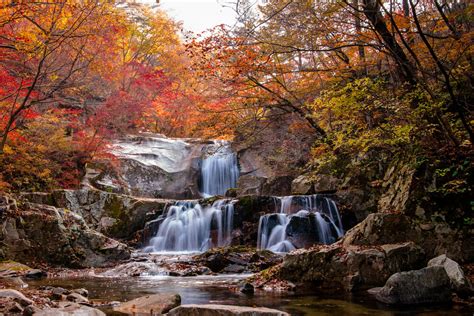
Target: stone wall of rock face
{"x": 33, "y": 233}
{"x": 115, "y": 215}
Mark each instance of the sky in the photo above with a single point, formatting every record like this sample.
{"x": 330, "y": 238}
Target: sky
{"x": 198, "y": 15}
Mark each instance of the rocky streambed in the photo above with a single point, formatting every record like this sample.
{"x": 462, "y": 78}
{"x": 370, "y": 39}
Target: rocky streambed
{"x": 117, "y": 291}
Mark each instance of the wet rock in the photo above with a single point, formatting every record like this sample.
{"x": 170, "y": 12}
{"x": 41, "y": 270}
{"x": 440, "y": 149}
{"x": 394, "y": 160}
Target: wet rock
{"x": 234, "y": 268}
{"x": 133, "y": 269}
{"x": 301, "y": 231}
{"x": 150, "y": 305}
{"x": 232, "y": 193}
{"x": 216, "y": 262}
{"x": 36, "y": 274}
{"x": 224, "y": 310}
{"x": 17, "y": 296}
{"x": 429, "y": 285}
{"x": 70, "y": 309}
{"x": 459, "y": 282}
{"x": 77, "y": 298}
{"x": 247, "y": 288}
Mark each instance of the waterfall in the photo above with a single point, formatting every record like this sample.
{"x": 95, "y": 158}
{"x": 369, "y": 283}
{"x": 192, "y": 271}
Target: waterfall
{"x": 272, "y": 227}
{"x": 271, "y": 233}
{"x": 189, "y": 227}
{"x": 219, "y": 170}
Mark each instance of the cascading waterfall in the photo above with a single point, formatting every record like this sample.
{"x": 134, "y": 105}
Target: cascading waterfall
{"x": 219, "y": 170}
{"x": 272, "y": 227}
{"x": 189, "y": 227}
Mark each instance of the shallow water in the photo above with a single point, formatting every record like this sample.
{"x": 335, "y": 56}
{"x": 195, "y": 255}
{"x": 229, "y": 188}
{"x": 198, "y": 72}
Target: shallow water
{"x": 223, "y": 289}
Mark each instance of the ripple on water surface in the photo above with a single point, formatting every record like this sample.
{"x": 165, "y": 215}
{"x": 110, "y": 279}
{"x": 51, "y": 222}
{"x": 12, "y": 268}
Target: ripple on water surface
{"x": 223, "y": 289}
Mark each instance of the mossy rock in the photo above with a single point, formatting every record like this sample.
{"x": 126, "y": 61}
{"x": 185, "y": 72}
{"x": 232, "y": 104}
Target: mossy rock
{"x": 13, "y": 266}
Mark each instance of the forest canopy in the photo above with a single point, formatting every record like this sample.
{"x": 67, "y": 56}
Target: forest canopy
{"x": 357, "y": 76}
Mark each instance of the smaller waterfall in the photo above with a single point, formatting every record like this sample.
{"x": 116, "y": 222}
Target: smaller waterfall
{"x": 272, "y": 229}
{"x": 188, "y": 227}
{"x": 272, "y": 233}
{"x": 219, "y": 170}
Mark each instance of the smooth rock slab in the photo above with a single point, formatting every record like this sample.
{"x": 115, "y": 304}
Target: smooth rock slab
{"x": 150, "y": 304}
{"x": 459, "y": 283}
{"x": 70, "y": 309}
{"x": 425, "y": 286}
{"x": 224, "y": 310}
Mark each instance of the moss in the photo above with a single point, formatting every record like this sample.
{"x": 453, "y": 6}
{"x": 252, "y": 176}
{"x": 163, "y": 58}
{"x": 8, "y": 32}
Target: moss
{"x": 114, "y": 207}
{"x": 13, "y": 266}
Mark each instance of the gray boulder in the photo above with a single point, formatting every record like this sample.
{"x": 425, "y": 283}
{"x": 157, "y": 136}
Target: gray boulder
{"x": 224, "y": 310}
{"x": 426, "y": 286}
{"x": 459, "y": 283}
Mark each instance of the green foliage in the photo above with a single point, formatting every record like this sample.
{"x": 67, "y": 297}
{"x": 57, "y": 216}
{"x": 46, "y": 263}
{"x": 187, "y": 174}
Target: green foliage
{"x": 362, "y": 116}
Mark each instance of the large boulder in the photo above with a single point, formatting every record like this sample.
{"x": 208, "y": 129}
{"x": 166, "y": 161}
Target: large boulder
{"x": 301, "y": 231}
{"x": 459, "y": 282}
{"x": 302, "y": 185}
{"x": 152, "y": 165}
{"x": 348, "y": 268}
{"x": 41, "y": 233}
{"x": 156, "y": 304}
{"x": 429, "y": 285}
{"x": 304, "y": 231}
{"x": 435, "y": 237}
{"x": 382, "y": 228}
{"x": 224, "y": 310}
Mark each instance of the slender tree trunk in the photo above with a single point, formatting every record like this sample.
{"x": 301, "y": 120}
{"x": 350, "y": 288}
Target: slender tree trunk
{"x": 371, "y": 9}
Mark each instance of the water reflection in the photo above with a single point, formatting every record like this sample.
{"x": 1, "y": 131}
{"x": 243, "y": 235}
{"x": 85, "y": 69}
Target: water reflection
{"x": 224, "y": 289}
